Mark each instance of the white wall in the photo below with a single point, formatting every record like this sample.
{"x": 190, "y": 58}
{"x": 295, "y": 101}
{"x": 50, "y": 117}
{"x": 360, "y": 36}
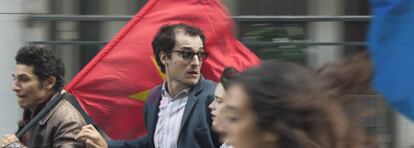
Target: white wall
{"x": 14, "y": 33}
{"x": 231, "y": 5}
{"x": 68, "y": 30}
{"x": 10, "y": 40}
{"x": 110, "y": 7}
{"x": 324, "y": 32}
{"x": 404, "y": 129}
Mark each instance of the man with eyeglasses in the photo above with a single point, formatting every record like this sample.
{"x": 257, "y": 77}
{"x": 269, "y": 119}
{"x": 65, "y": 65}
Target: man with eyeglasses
{"x": 176, "y": 112}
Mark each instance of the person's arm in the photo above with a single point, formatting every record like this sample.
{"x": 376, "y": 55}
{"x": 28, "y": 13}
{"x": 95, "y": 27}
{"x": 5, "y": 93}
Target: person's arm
{"x": 143, "y": 141}
{"x": 140, "y": 142}
{"x": 93, "y": 139}
{"x": 11, "y": 141}
{"x": 66, "y": 123}
{"x": 65, "y": 135}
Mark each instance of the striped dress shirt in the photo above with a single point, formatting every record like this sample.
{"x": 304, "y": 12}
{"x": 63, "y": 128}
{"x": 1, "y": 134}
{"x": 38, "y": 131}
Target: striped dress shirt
{"x": 170, "y": 115}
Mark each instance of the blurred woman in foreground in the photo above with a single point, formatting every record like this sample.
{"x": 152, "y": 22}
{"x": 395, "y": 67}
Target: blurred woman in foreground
{"x": 283, "y": 105}
{"x": 218, "y": 103}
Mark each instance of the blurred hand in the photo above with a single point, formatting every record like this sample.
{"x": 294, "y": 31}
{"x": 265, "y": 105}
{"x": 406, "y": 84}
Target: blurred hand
{"x": 91, "y": 137}
{"x": 8, "y": 141}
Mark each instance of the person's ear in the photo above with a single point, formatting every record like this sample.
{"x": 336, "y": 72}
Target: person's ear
{"x": 50, "y": 82}
{"x": 163, "y": 57}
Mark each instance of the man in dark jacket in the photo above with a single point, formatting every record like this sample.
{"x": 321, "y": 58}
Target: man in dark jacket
{"x": 38, "y": 81}
{"x": 176, "y": 113}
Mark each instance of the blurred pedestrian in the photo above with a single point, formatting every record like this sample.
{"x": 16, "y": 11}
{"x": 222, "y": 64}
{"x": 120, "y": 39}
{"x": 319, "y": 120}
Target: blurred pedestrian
{"x": 219, "y": 101}
{"x": 287, "y": 106}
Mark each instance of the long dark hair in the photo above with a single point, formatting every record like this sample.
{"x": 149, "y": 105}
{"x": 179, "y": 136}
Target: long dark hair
{"x": 299, "y": 107}
{"x": 351, "y": 75}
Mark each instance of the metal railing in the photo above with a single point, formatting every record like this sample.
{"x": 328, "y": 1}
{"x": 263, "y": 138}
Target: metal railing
{"x": 261, "y": 44}
{"x": 246, "y": 18}
{"x": 238, "y": 19}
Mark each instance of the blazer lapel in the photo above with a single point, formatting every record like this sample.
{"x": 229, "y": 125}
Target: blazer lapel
{"x": 153, "y": 110}
{"x": 191, "y": 101}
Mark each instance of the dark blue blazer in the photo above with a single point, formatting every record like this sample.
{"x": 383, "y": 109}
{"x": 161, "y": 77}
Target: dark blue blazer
{"x": 196, "y": 131}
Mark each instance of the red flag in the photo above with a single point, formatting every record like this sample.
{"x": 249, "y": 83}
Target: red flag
{"x": 112, "y": 88}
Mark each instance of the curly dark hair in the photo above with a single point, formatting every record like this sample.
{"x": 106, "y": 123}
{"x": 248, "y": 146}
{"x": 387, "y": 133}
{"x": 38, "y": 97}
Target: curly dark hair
{"x": 44, "y": 63}
{"x": 164, "y": 40}
{"x": 297, "y": 106}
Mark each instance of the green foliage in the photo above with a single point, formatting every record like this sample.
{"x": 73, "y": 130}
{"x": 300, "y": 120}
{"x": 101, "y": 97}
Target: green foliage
{"x": 277, "y": 33}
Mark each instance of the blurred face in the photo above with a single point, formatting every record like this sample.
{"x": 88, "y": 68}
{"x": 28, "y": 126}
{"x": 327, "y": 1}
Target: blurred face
{"x": 181, "y": 70}
{"x": 216, "y": 105}
{"x": 241, "y": 128}
{"x": 29, "y": 90}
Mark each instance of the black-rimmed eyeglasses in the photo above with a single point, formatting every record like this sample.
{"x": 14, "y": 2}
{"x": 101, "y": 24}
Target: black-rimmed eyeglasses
{"x": 189, "y": 55}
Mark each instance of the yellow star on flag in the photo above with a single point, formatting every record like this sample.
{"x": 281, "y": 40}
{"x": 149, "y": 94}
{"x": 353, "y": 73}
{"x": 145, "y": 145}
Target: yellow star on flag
{"x": 142, "y": 96}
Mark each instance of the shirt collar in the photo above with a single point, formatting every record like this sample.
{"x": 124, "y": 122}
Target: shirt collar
{"x": 164, "y": 92}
